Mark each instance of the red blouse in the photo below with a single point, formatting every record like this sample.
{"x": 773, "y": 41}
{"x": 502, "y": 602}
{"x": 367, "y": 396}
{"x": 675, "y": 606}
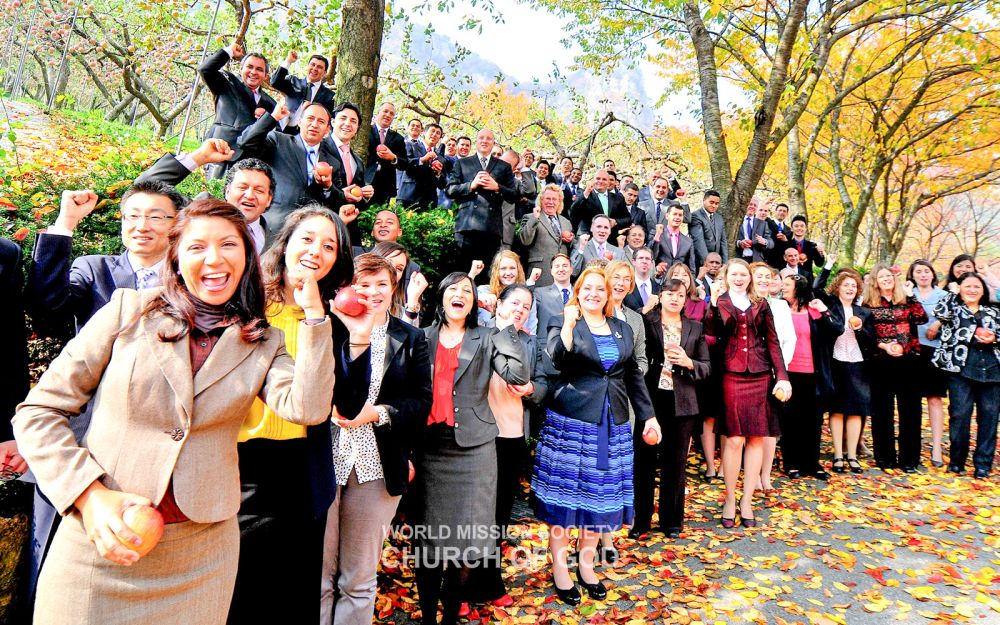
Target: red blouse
{"x": 897, "y": 323}
{"x": 445, "y": 366}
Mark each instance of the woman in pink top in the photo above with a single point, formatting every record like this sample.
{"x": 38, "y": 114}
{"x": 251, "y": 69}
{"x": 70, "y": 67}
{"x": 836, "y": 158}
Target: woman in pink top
{"x": 812, "y": 382}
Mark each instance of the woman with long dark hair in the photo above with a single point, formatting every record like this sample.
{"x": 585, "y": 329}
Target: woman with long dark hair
{"x": 457, "y": 455}
{"x": 173, "y": 373}
{"x": 410, "y": 282}
{"x": 970, "y": 353}
{"x": 933, "y": 383}
{"x": 313, "y": 243}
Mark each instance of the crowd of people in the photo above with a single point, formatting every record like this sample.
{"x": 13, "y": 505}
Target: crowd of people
{"x": 282, "y": 394}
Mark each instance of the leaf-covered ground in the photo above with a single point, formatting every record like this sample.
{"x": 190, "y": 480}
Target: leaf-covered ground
{"x": 869, "y": 548}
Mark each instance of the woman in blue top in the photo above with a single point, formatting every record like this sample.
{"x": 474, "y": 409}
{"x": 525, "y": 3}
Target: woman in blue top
{"x": 931, "y": 381}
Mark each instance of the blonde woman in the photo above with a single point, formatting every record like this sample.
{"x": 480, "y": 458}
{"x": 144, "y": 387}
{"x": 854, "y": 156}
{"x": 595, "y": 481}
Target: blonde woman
{"x": 504, "y": 271}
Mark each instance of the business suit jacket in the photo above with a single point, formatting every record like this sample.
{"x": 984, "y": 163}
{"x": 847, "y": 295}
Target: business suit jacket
{"x": 763, "y": 351}
{"x": 381, "y": 174}
{"x": 580, "y": 258}
{"x": 549, "y": 304}
{"x": 634, "y": 301}
{"x": 340, "y": 182}
{"x": 708, "y": 237}
{"x": 484, "y": 350}
{"x": 297, "y": 90}
{"x": 13, "y": 339}
{"x": 813, "y": 257}
{"x": 663, "y": 251}
{"x": 189, "y": 440}
{"x": 541, "y": 240}
{"x": 480, "y": 210}
{"x": 405, "y": 393}
{"x": 776, "y": 255}
{"x": 418, "y": 183}
{"x": 579, "y": 389}
{"x": 635, "y": 322}
{"x": 234, "y": 101}
{"x": 586, "y": 208}
{"x": 287, "y": 158}
{"x": 759, "y": 250}
{"x": 571, "y": 193}
{"x": 649, "y": 214}
{"x": 685, "y": 380}
{"x": 60, "y": 293}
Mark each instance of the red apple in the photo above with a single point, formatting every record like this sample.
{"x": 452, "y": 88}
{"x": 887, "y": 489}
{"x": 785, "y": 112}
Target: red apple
{"x": 323, "y": 168}
{"x": 985, "y": 335}
{"x": 609, "y": 255}
{"x": 413, "y": 471}
{"x": 895, "y": 349}
{"x": 803, "y": 258}
{"x": 854, "y": 322}
{"x": 779, "y": 393}
{"x": 650, "y": 437}
{"x": 147, "y": 523}
{"x": 347, "y": 302}
{"x": 895, "y": 270}
{"x": 680, "y": 193}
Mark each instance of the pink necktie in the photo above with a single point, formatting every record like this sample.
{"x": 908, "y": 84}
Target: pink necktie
{"x": 345, "y": 151}
{"x": 381, "y": 135}
{"x": 673, "y": 243}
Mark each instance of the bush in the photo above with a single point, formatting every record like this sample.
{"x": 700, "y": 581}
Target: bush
{"x": 429, "y": 236}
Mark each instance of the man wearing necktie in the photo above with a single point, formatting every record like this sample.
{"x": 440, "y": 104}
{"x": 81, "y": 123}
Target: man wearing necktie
{"x": 238, "y": 100}
{"x": 421, "y": 175}
{"x": 544, "y": 233}
{"x": 781, "y": 232}
{"x": 646, "y": 288}
{"x": 348, "y": 174}
{"x": 301, "y": 92}
{"x": 670, "y": 245}
{"x": 596, "y": 200}
{"x": 386, "y": 153}
{"x": 590, "y": 249}
{"x": 755, "y": 239}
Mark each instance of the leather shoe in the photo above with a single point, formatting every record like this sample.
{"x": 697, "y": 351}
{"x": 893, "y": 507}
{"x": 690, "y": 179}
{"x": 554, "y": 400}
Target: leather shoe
{"x": 672, "y": 532}
{"x": 595, "y": 591}
{"x": 569, "y": 596}
{"x": 954, "y": 469}
{"x": 606, "y": 555}
{"x": 982, "y": 474}
{"x": 909, "y": 469}
{"x": 793, "y": 474}
{"x": 638, "y": 533}
{"x": 748, "y": 522}
{"x": 820, "y": 474}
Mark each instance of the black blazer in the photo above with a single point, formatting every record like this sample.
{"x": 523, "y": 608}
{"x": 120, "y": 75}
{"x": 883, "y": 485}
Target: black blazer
{"x": 634, "y": 301}
{"x": 287, "y": 158}
{"x": 480, "y": 210}
{"x": 693, "y": 342}
{"x": 759, "y": 250}
{"x": 585, "y": 208}
{"x": 234, "y": 103}
{"x": 813, "y": 257}
{"x": 484, "y": 350}
{"x": 405, "y": 393}
{"x": 340, "y": 182}
{"x": 13, "y": 339}
{"x": 381, "y": 174}
{"x": 581, "y": 384}
{"x": 297, "y": 90}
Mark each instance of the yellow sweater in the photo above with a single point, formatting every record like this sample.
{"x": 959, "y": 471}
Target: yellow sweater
{"x": 262, "y": 422}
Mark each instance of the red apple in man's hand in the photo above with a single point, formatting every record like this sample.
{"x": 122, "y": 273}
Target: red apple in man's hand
{"x": 680, "y": 193}
{"x": 650, "y": 437}
{"x": 323, "y": 168}
{"x": 609, "y": 255}
{"x": 147, "y": 523}
{"x": 357, "y": 193}
{"x": 347, "y": 302}
{"x": 413, "y": 471}
{"x": 985, "y": 335}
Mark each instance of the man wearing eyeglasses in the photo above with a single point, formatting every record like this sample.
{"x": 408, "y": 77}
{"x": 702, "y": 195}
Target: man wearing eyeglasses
{"x": 60, "y": 293}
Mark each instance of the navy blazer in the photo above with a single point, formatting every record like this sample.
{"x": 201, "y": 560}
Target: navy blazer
{"x": 418, "y": 184}
{"x": 59, "y": 293}
{"x": 13, "y": 339}
{"x": 297, "y": 90}
{"x": 381, "y": 174}
{"x": 581, "y": 384}
{"x": 634, "y": 301}
{"x": 405, "y": 392}
{"x": 480, "y": 210}
{"x": 234, "y": 102}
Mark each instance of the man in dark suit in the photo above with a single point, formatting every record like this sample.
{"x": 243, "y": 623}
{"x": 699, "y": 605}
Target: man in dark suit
{"x": 597, "y": 200}
{"x": 781, "y": 232}
{"x": 814, "y": 253}
{"x": 300, "y": 92}
{"x": 709, "y": 273}
{"x": 420, "y": 178}
{"x": 708, "y": 229}
{"x": 293, "y": 161}
{"x": 386, "y": 154}
{"x": 14, "y": 347}
{"x": 598, "y": 248}
{"x": 754, "y": 239}
{"x": 480, "y": 184}
{"x": 249, "y": 183}
{"x": 630, "y": 193}
{"x": 348, "y": 172}
{"x": 565, "y": 172}
{"x": 655, "y": 209}
{"x": 60, "y": 293}
{"x": 646, "y": 287}
{"x": 238, "y": 100}
{"x": 670, "y": 245}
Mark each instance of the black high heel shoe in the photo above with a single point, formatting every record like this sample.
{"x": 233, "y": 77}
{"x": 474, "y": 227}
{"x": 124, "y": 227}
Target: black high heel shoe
{"x": 570, "y": 596}
{"x": 595, "y": 591}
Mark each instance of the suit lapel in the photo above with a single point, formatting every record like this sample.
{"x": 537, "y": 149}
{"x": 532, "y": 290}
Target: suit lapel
{"x": 432, "y": 344}
{"x": 394, "y": 343}
{"x": 470, "y": 345}
{"x": 227, "y": 354}
{"x": 174, "y": 360}
{"x": 122, "y": 275}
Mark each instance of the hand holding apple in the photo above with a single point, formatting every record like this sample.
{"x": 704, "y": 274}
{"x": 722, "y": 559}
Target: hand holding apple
{"x": 348, "y": 302}
{"x": 854, "y": 322}
{"x": 651, "y": 433}
{"x": 985, "y": 335}
{"x": 782, "y": 390}
{"x": 147, "y": 523}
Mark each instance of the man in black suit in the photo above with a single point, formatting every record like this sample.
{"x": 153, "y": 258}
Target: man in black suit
{"x": 249, "y": 183}
{"x": 300, "y": 92}
{"x": 348, "y": 172}
{"x": 565, "y": 172}
{"x": 596, "y": 199}
{"x": 14, "y": 347}
{"x": 294, "y": 160}
{"x": 480, "y": 184}
{"x": 753, "y": 240}
{"x": 630, "y": 193}
{"x": 646, "y": 288}
{"x": 571, "y": 188}
{"x": 813, "y": 252}
{"x": 781, "y": 232}
{"x": 424, "y": 171}
{"x": 238, "y": 100}
{"x": 386, "y": 154}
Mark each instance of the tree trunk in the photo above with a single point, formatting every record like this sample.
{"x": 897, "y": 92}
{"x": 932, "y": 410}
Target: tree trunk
{"x": 358, "y": 60}
{"x": 796, "y": 175}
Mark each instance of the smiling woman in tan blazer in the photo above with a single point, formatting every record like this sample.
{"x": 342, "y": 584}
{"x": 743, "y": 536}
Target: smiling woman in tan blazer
{"x": 172, "y": 373}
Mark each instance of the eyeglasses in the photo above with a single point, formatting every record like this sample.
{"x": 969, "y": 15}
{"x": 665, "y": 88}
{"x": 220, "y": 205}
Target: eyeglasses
{"x": 156, "y": 220}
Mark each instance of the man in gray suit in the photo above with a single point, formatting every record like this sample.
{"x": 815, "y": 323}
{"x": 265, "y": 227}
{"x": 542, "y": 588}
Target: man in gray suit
{"x": 708, "y": 229}
{"x": 545, "y": 233}
{"x": 550, "y": 300}
{"x": 656, "y": 207}
{"x": 754, "y": 239}
{"x": 595, "y": 248}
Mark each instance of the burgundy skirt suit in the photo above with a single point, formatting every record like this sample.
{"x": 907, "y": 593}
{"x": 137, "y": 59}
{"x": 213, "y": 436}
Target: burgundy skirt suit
{"x": 750, "y": 363}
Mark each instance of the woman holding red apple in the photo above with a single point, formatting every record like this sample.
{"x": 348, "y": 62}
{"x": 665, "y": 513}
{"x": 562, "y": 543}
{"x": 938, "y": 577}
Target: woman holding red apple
{"x": 970, "y": 353}
{"x": 895, "y": 315}
{"x": 172, "y": 372}
{"x": 381, "y": 404}
{"x": 313, "y": 243}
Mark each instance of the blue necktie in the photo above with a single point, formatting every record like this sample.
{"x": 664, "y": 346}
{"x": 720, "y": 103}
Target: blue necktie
{"x": 565, "y": 293}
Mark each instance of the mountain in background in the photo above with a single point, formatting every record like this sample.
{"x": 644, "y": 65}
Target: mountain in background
{"x": 602, "y": 93}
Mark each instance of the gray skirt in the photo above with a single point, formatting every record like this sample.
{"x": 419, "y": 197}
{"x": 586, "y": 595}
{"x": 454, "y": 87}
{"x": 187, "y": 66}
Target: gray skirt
{"x": 188, "y": 578}
{"x": 456, "y": 511}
